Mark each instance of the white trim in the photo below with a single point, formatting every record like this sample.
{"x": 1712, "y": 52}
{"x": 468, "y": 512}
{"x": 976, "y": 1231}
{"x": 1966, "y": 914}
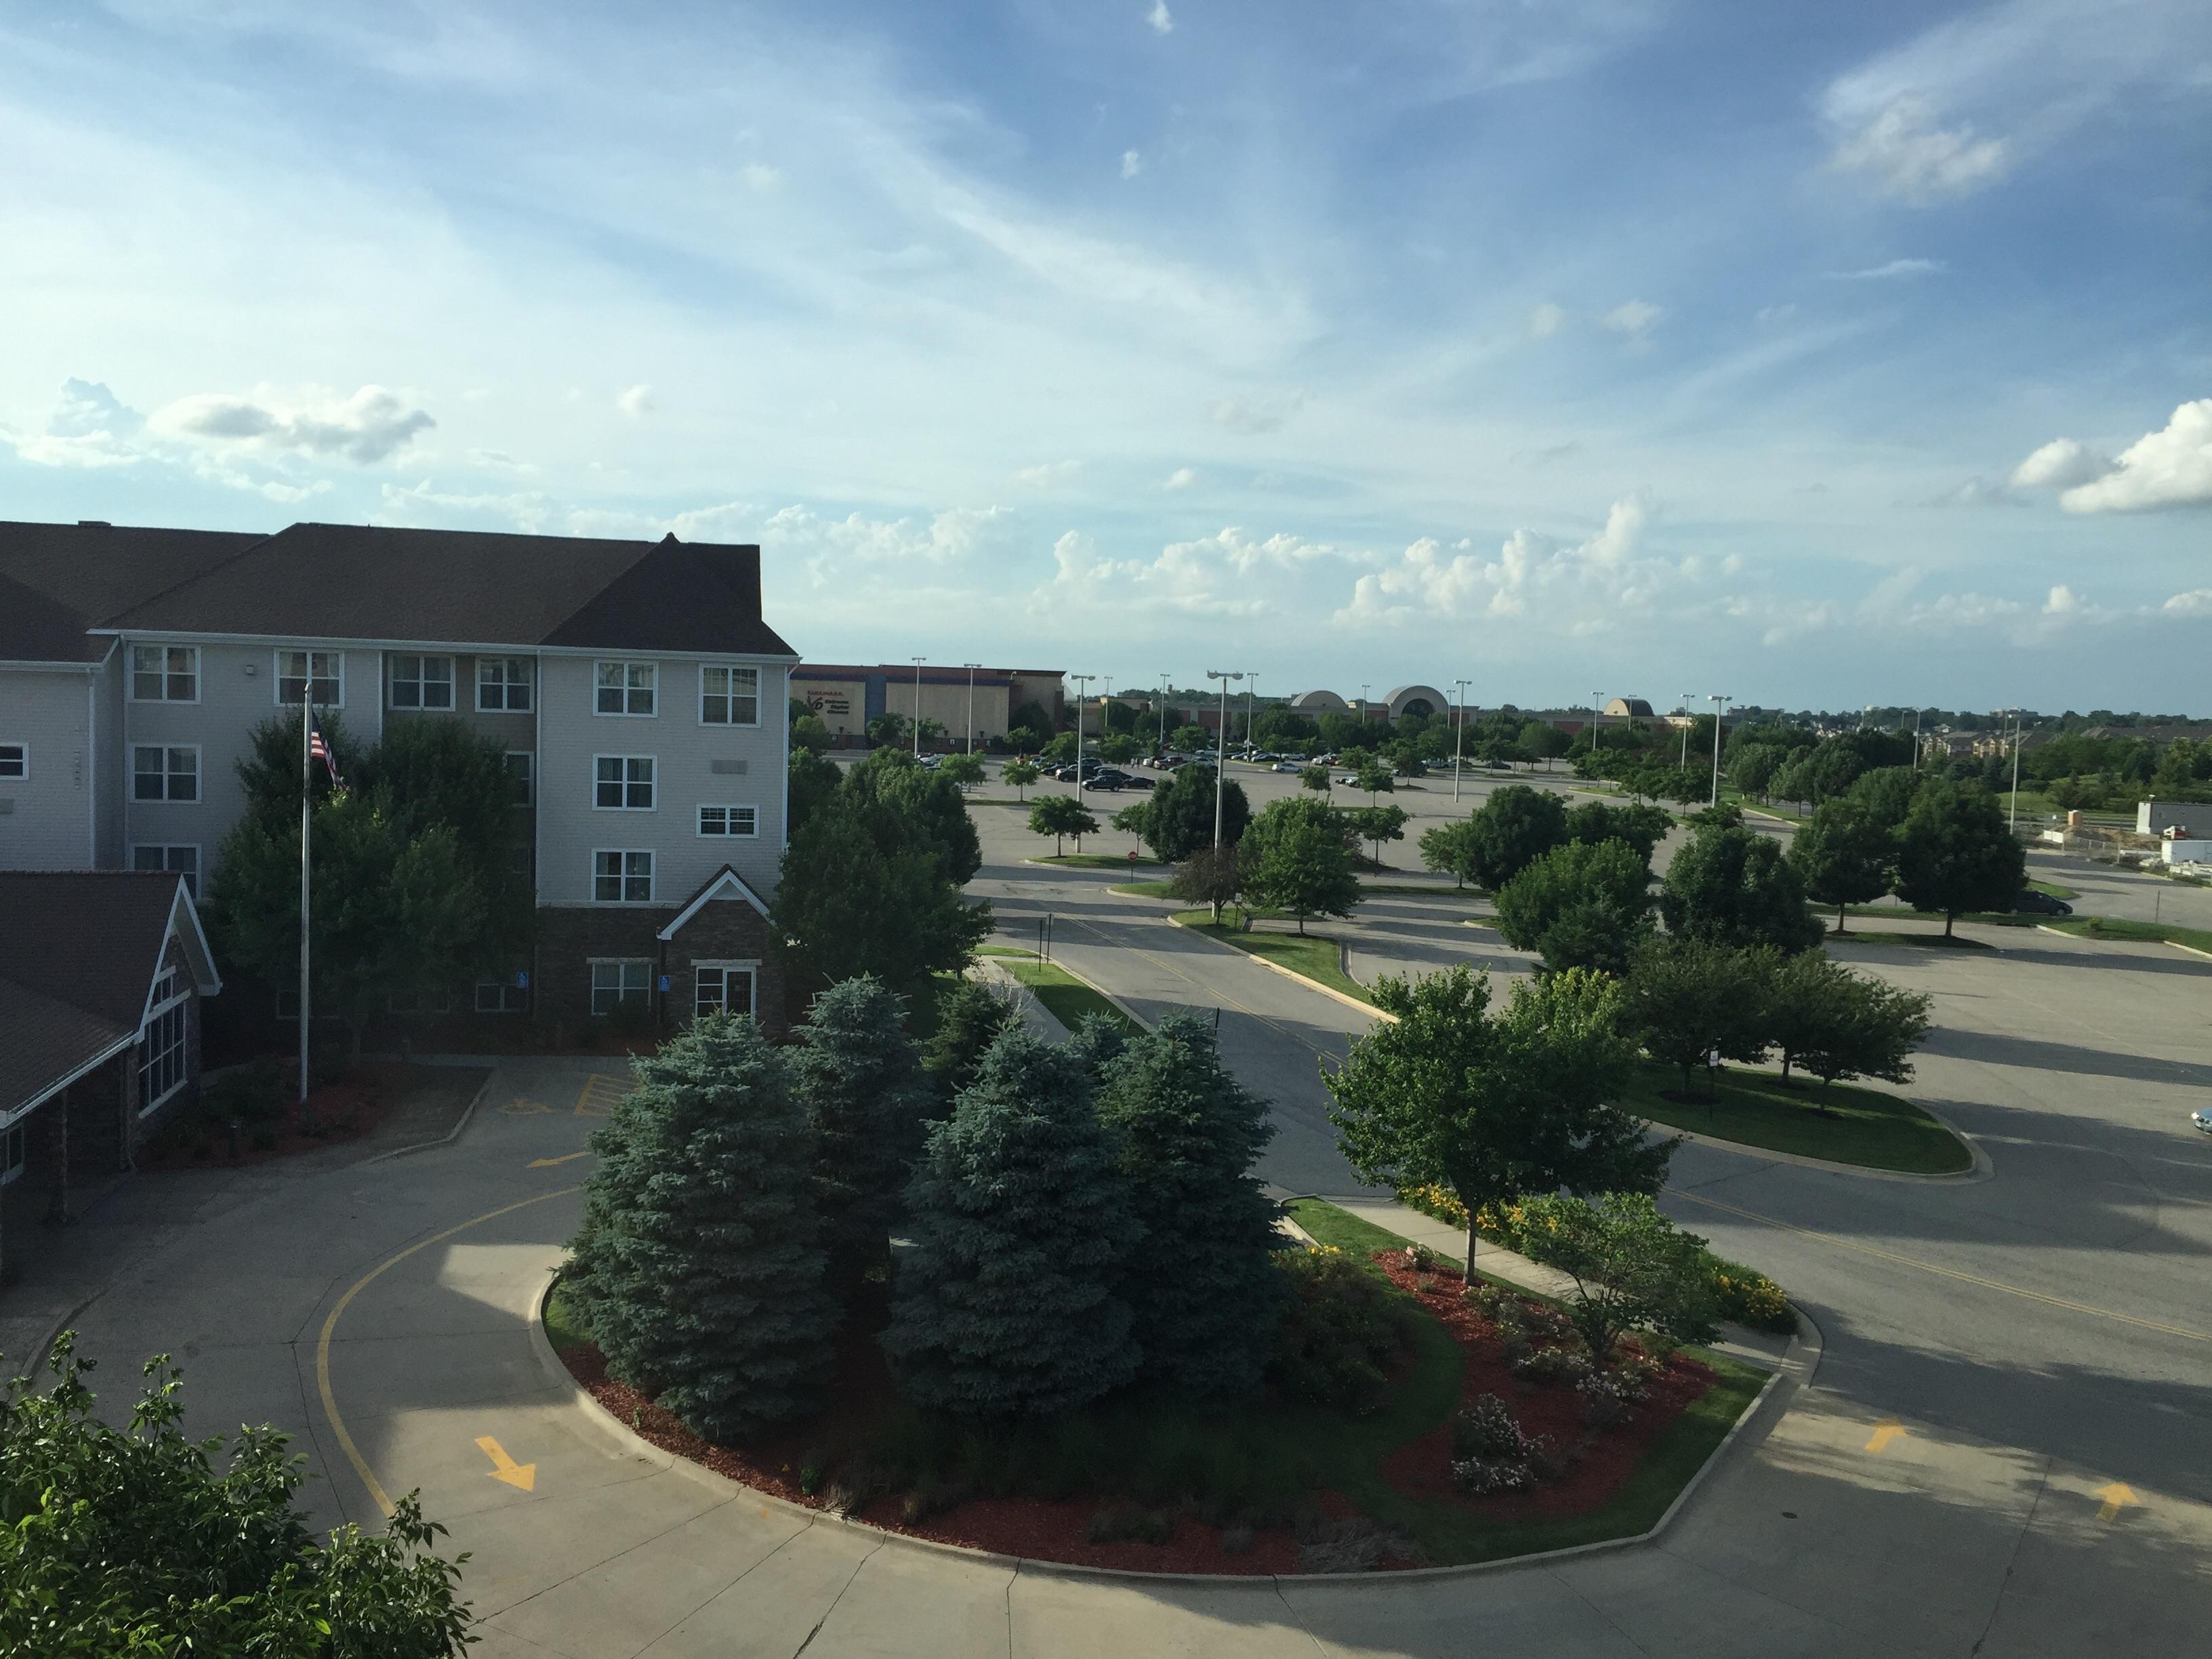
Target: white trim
{"x": 421, "y": 680}
{"x": 592, "y": 990}
{"x": 651, "y": 876}
{"x": 164, "y": 848}
{"x": 168, "y": 1004}
{"x": 130, "y": 674}
{"x": 467, "y": 647}
{"x": 23, "y": 776}
{"x": 699, "y": 706}
{"x": 529, "y": 682}
{"x": 625, "y": 664}
{"x": 120, "y": 1045}
{"x": 752, "y": 971}
{"x": 211, "y": 987}
{"x": 623, "y": 782}
{"x": 11, "y": 1167}
{"x": 41, "y": 666}
{"x": 725, "y": 877}
{"x": 700, "y": 833}
{"x": 165, "y": 798}
{"x": 276, "y": 675}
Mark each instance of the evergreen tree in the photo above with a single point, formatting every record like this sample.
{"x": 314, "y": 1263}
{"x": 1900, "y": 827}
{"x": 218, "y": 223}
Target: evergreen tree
{"x": 698, "y": 1266}
{"x": 1098, "y": 1042}
{"x": 860, "y": 1081}
{"x": 1201, "y": 1279}
{"x": 1009, "y": 1302}
{"x": 970, "y": 1014}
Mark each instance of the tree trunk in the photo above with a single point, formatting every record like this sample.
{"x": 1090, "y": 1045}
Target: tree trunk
{"x": 1950, "y": 918}
{"x": 1839, "y": 918}
{"x": 1472, "y": 1236}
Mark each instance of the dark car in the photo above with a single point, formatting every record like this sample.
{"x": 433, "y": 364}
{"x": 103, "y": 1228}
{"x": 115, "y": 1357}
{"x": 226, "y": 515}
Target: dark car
{"x": 2031, "y": 903}
{"x": 1111, "y": 777}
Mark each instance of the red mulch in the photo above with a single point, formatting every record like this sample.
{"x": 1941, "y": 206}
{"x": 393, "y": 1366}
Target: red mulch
{"x": 346, "y": 1112}
{"x": 1422, "y": 1468}
{"x": 1054, "y": 1529}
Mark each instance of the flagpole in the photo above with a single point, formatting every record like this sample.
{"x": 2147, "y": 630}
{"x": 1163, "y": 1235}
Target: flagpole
{"x": 307, "y": 727}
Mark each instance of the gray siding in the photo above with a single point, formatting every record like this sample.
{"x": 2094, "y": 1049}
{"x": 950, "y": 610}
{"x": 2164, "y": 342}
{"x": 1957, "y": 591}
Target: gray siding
{"x": 107, "y": 781}
{"x": 45, "y": 819}
{"x": 685, "y": 752}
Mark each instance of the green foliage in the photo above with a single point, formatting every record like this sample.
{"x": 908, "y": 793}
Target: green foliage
{"x": 1212, "y": 876}
{"x": 1490, "y": 1106}
{"x": 1752, "y": 768}
{"x": 961, "y": 769}
{"x": 971, "y": 1015}
{"x": 1449, "y": 849}
{"x": 1543, "y": 740}
{"x": 1344, "y": 1329}
{"x": 888, "y": 731}
{"x": 1955, "y": 854}
{"x": 1316, "y": 778}
{"x": 1031, "y": 714}
{"x": 1844, "y": 852}
{"x": 1297, "y": 858}
{"x": 1060, "y": 817}
{"x": 1189, "y": 739}
{"x": 811, "y": 732}
{"x": 1374, "y": 774}
{"x": 859, "y": 1081}
{"x": 1516, "y": 826}
{"x": 1200, "y": 1280}
{"x": 1377, "y": 824}
{"x": 1639, "y": 826}
{"x": 1008, "y": 1304}
{"x": 1885, "y": 794}
{"x": 811, "y": 780}
{"x": 1688, "y": 997}
{"x": 1731, "y": 885}
{"x": 926, "y": 805}
{"x": 1579, "y": 906}
{"x": 1838, "y": 1024}
{"x": 1179, "y": 817}
{"x": 1118, "y": 747}
{"x": 1631, "y": 1269}
{"x": 127, "y": 1540}
{"x": 1021, "y": 775}
{"x": 699, "y": 1266}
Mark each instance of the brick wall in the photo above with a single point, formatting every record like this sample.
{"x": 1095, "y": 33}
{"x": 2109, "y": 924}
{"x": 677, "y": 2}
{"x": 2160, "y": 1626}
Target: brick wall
{"x": 725, "y": 930}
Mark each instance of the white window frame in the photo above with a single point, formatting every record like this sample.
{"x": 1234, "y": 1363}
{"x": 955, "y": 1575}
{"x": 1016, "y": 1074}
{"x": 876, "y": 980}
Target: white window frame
{"x": 420, "y": 680}
{"x": 625, "y": 781}
{"x": 730, "y": 695}
{"x": 527, "y": 685}
{"x": 623, "y": 878}
{"x": 618, "y": 990}
{"x": 167, "y": 849}
{"x": 335, "y": 660}
{"x": 165, "y": 673}
{"x": 628, "y": 689}
{"x": 170, "y": 1013}
{"x": 21, "y": 762}
{"x": 165, "y": 775}
{"x": 506, "y": 997}
{"x": 749, "y": 970}
{"x": 729, "y": 809}
{"x": 525, "y": 775}
{"x": 15, "y": 1144}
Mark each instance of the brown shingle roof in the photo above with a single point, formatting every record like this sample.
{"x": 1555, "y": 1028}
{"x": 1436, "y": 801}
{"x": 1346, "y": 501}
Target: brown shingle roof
{"x": 91, "y": 939}
{"x": 80, "y": 575}
{"x": 47, "y": 1041}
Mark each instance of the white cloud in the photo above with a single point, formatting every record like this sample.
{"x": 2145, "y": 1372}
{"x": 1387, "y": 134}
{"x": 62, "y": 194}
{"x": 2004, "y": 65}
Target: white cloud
{"x": 2196, "y": 603}
{"x": 950, "y": 537}
{"x": 1228, "y": 574}
{"x": 636, "y": 401}
{"x": 1253, "y": 417}
{"x": 90, "y": 427}
{"x": 1182, "y": 479}
{"x": 1132, "y": 164}
{"x": 1160, "y": 18}
{"x": 760, "y": 176}
{"x": 372, "y": 425}
{"x": 1915, "y": 159}
{"x": 1582, "y": 587}
{"x": 1544, "y": 321}
{"x": 2172, "y": 467}
{"x": 2061, "y": 464}
{"x": 1893, "y": 269}
{"x": 1049, "y": 474}
{"x": 1632, "y": 318}
{"x": 2063, "y": 602}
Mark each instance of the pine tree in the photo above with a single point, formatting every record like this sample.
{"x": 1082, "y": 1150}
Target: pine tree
{"x": 1008, "y": 1304}
{"x": 860, "y": 1079}
{"x": 1201, "y": 1282}
{"x": 698, "y": 1266}
{"x": 970, "y": 1014}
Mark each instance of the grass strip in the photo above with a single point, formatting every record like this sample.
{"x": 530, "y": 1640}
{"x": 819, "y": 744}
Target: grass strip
{"x": 1065, "y": 997}
{"x": 1098, "y": 861}
{"x": 2144, "y": 932}
{"x": 1840, "y": 1123}
{"x": 1312, "y": 956}
{"x": 563, "y": 1329}
{"x": 1930, "y": 941}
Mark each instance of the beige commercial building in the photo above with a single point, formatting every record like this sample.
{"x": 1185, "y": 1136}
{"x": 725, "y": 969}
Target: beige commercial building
{"x": 983, "y": 701}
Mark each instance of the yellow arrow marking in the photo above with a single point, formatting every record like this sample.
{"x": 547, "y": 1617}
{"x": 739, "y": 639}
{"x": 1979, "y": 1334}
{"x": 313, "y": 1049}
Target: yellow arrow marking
{"x": 504, "y": 1467}
{"x": 2116, "y": 1498}
{"x": 1889, "y": 1429}
{"x": 548, "y": 1162}
{"x": 523, "y": 1108}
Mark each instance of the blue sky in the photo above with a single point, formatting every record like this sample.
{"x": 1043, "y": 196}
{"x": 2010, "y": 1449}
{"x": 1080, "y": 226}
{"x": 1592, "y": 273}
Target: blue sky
{"x": 1823, "y": 356}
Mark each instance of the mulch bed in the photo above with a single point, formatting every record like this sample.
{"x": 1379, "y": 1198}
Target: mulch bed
{"x": 345, "y": 1112}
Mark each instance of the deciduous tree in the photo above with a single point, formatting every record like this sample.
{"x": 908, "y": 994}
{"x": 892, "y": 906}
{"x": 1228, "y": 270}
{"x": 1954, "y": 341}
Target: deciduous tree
{"x": 1377, "y": 824}
{"x": 1630, "y": 1269}
{"x": 1021, "y": 775}
{"x": 1731, "y": 885}
{"x": 1579, "y": 906}
{"x": 1687, "y": 1000}
{"x": 1516, "y": 826}
{"x": 1955, "y": 854}
{"x": 1062, "y": 816}
{"x": 1213, "y": 876}
{"x": 1296, "y": 857}
{"x": 1844, "y": 854}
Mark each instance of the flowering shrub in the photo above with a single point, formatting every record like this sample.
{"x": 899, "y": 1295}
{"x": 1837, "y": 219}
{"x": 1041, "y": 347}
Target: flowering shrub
{"x": 1554, "y": 1365}
{"x": 1491, "y": 1453}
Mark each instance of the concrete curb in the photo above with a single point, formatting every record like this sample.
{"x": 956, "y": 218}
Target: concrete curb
{"x": 2172, "y": 945}
{"x": 1348, "y": 1000}
{"x": 468, "y": 1116}
{"x": 636, "y": 1445}
{"x": 1983, "y": 1169}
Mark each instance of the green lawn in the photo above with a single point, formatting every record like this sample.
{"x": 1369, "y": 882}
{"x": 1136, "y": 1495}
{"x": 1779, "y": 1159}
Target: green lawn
{"x": 1367, "y": 890}
{"x": 1065, "y": 997}
{"x": 2053, "y": 889}
{"x": 1098, "y": 861}
{"x": 1873, "y": 1130}
{"x": 1313, "y": 956}
{"x": 2152, "y": 932}
{"x": 1153, "y": 889}
{"x": 563, "y": 1329}
{"x": 1928, "y": 941}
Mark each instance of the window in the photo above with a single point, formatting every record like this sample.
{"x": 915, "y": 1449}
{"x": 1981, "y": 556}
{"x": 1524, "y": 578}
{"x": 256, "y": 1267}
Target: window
{"x": 614, "y": 983}
{"x": 14, "y": 762}
{"x": 520, "y": 764}
{"x": 729, "y": 821}
{"x": 422, "y": 682}
{"x": 502, "y": 996}
{"x": 165, "y": 673}
{"x": 13, "y": 1145}
{"x": 622, "y": 877}
{"x": 503, "y": 682}
{"x": 723, "y": 988}
{"x": 161, "y": 1053}
{"x": 625, "y": 687}
{"x": 158, "y": 773}
{"x": 623, "y": 783}
{"x": 178, "y": 861}
{"x": 729, "y": 697}
{"x": 295, "y": 669}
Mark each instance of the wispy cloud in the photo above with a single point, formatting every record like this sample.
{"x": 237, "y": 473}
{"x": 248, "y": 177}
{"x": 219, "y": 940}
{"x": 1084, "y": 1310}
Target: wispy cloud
{"x": 1160, "y": 18}
{"x": 1890, "y": 271}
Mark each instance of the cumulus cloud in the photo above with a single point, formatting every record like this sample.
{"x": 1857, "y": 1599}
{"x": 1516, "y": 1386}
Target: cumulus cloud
{"x": 1049, "y": 474}
{"x": 1891, "y": 271}
{"x": 1544, "y": 321}
{"x": 1253, "y": 417}
{"x": 1182, "y": 479}
{"x": 636, "y": 401}
{"x": 1160, "y": 18}
{"x": 372, "y": 425}
{"x": 1228, "y": 574}
{"x": 949, "y": 536}
{"x": 1915, "y": 159}
{"x": 2061, "y": 464}
{"x": 2172, "y": 467}
{"x": 1132, "y": 164}
{"x": 1580, "y": 583}
{"x": 90, "y": 427}
{"x": 1632, "y": 318}
{"x": 2196, "y": 603}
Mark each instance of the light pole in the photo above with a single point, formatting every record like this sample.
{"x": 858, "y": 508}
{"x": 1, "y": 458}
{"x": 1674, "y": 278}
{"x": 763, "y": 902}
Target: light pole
{"x": 1166, "y": 684}
{"x": 971, "y": 667}
{"x": 1459, "y": 733}
{"x": 1720, "y": 703}
{"x": 2012, "y": 811}
{"x": 918, "y": 662}
{"x": 1221, "y": 742}
{"x": 1916, "y": 740}
{"x": 1251, "y": 684}
{"x": 1082, "y": 681}
{"x": 1597, "y": 711}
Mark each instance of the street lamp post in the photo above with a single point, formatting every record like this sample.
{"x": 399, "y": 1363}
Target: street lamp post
{"x": 2012, "y": 812}
{"x": 1597, "y": 713}
{"x": 1916, "y": 740}
{"x": 1251, "y": 684}
{"x": 1166, "y": 684}
{"x": 1082, "y": 682}
{"x": 1221, "y": 742}
{"x": 1720, "y": 708}
{"x": 1459, "y": 733}
{"x": 971, "y": 667}
{"x": 918, "y": 662}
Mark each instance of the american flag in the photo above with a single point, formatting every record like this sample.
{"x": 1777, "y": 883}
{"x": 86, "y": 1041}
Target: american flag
{"x": 319, "y": 750}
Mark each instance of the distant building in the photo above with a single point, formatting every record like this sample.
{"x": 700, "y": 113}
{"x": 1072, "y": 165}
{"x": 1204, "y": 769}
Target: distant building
{"x": 2155, "y": 818}
{"x": 1634, "y": 708}
{"x": 847, "y": 696}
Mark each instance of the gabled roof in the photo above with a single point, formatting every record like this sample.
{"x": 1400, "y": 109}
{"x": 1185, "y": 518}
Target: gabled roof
{"x": 724, "y": 883}
{"x": 59, "y": 579}
{"x": 50, "y": 1044}
{"x": 93, "y": 939}
{"x": 377, "y": 582}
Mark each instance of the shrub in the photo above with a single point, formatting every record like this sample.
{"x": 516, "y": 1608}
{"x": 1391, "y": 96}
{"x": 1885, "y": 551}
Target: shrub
{"x": 1492, "y": 1454}
{"x": 1121, "y": 1522}
{"x": 1345, "y": 1325}
{"x": 250, "y": 1094}
{"x": 1553, "y": 1364}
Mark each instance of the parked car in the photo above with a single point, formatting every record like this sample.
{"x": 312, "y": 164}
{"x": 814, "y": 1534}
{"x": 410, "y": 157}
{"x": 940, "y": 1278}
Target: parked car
{"x": 2031, "y": 903}
{"x": 1285, "y": 766}
{"x": 1108, "y": 777}
{"x": 2202, "y": 1117}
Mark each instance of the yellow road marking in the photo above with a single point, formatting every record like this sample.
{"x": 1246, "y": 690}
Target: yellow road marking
{"x": 2117, "y": 1497}
{"x": 520, "y": 1108}
{"x": 1889, "y": 1429}
{"x": 1952, "y": 1273}
{"x": 565, "y": 1158}
{"x": 503, "y": 1468}
{"x": 598, "y": 1095}
{"x": 323, "y": 1343}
